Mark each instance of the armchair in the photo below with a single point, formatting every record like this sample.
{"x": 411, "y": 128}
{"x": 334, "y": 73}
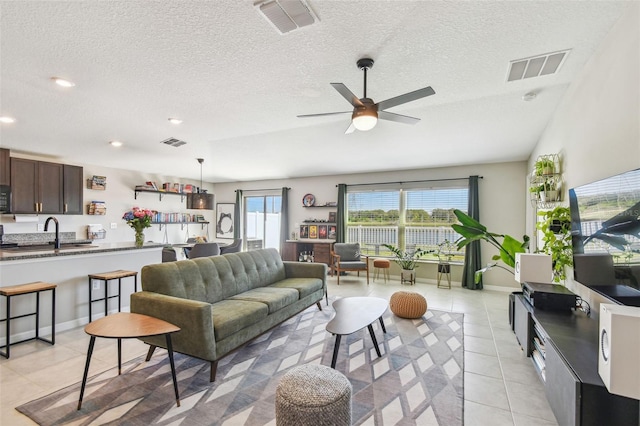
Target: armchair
{"x": 347, "y": 257}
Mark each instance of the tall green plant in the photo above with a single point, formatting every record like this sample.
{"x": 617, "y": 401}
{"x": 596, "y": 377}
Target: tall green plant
{"x": 556, "y": 236}
{"x": 472, "y": 230}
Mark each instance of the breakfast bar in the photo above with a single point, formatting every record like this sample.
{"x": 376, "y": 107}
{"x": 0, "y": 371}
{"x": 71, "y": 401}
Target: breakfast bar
{"x": 69, "y": 268}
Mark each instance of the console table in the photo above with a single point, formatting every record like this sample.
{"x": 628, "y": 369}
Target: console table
{"x": 564, "y": 350}
{"x": 321, "y": 249}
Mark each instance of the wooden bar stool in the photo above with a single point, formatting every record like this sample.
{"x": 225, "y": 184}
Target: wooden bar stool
{"x": 383, "y": 264}
{"x": 106, "y": 277}
{"x": 19, "y": 290}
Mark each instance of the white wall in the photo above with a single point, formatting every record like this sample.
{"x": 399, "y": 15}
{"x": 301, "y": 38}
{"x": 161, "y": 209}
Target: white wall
{"x": 502, "y": 201}
{"x": 596, "y": 129}
{"x": 119, "y": 198}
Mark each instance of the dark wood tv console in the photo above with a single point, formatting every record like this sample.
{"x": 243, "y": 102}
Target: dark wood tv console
{"x": 563, "y": 347}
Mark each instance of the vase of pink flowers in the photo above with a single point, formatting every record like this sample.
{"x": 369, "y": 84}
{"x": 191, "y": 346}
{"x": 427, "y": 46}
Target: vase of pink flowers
{"x": 138, "y": 219}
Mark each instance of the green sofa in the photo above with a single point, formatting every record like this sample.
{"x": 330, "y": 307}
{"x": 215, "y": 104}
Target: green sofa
{"x": 222, "y": 302}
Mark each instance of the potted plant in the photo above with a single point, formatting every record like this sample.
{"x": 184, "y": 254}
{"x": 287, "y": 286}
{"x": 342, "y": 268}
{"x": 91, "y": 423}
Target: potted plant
{"x": 445, "y": 253}
{"x": 545, "y": 166}
{"x": 472, "y": 230}
{"x": 549, "y": 190}
{"x": 556, "y": 236}
{"x": 407, "y": 260}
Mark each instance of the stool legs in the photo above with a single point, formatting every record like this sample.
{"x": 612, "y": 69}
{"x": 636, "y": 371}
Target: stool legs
{"x": 106, "y": 294}
{"x": 7, "y": 352}
{"x": 8, "y": 327}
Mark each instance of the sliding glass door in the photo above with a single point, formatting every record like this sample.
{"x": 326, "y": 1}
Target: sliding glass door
{"x": 262, "y": 221}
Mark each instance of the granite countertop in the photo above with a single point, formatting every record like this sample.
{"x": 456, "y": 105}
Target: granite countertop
{"x": 69, "y": 249}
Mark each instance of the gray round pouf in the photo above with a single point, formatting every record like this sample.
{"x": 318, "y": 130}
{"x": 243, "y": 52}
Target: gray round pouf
{"x": 313, "y": 395}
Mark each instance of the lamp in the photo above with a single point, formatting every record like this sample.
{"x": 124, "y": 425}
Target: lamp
{"x": 364, "y": 118}
{"x": 200, "y": 200}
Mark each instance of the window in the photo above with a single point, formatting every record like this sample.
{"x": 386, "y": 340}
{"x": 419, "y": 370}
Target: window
{"x": 404, "y": 217}
{"x": 262, "y": 221}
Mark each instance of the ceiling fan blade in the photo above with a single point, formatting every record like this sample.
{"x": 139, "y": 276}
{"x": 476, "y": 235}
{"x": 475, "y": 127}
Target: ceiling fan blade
{"x": 324, "y": 113}
{"x": 347, "y": 94}
{"x": 386, "y": 115}
{"x": 407, "y": 97}
{"x": 350, "y": 129}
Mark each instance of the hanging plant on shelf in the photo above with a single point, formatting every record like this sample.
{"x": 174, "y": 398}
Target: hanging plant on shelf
{"x": 556, "y": 230}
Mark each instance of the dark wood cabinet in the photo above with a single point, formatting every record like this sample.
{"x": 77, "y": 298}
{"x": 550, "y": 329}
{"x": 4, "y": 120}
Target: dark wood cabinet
{"x": 37, "y": 186}
{"x": 5, "y": 167}
{"x": 72, "y": 189}
{"x": 321, "y": 250}
{"x": 563, "y": 346}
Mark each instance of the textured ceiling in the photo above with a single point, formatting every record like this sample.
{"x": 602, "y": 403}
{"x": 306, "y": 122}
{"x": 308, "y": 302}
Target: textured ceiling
{"x": 238, "y": 84}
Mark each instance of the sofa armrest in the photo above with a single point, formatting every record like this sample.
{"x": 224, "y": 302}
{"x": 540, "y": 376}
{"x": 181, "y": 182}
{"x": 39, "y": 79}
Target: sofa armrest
{"x": 195, "y": 319}
{"x": 308, "y": 270}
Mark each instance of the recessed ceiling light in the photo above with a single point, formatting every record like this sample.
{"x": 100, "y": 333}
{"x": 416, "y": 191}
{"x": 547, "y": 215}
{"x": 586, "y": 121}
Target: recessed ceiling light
{"x": 175, "y": 121}
{"x": 7, "y": 120}
{"x": 62, "y": 82}
{"x": 529, "y": 96}
{"x": 116, "y": 143}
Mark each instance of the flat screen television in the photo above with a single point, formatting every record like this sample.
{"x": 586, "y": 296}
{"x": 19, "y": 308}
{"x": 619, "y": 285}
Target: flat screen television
{"x": 605, "y": 234}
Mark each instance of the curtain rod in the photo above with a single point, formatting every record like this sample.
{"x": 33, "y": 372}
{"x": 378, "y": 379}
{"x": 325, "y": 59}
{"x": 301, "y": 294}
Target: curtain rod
{"x": 264, "y": 189}
{"x": 409, "y": 181}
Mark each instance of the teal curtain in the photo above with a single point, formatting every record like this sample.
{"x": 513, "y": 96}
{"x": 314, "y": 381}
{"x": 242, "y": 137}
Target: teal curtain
{"x": 284, "y": 218}
{"x": 237, "y": 215}
{"x": 472, "y": 257}
{"x": 341, "y": 217}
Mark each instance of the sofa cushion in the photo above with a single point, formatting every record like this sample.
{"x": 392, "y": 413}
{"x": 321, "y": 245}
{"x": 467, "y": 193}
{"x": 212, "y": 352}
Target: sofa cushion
{"x": 231, "y": 316}
{"x": 275, "y": 298}
{"x": 305, "y": 286}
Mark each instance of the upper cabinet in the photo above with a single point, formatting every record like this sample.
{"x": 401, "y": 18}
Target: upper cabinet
{"x": 5, "y": 167}
{"x": 40, "y": 187}
{"x": 72, "y": 191}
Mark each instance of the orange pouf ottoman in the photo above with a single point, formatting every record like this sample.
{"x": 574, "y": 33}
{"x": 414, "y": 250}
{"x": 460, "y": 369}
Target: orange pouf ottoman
{"x": 407, "y": 304}
{"x": 383, "y": 264}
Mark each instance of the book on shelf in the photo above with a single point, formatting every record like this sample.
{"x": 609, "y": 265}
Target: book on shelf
{"x": 152, "y": 185}
{"x": 97, "y": 207}
{"x": 144, "y": 187}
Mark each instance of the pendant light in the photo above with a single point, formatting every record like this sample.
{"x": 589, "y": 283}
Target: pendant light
{"x": 200, "y": 200}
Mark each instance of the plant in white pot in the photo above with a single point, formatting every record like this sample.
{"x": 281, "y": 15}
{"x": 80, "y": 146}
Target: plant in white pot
{"x": 407, "y": 260}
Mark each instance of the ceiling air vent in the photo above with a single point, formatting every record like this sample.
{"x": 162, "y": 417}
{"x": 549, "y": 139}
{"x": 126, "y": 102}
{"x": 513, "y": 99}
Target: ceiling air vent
{"x": 535, "y": 66}
{"x": 173, "y": 142}
{"x": 287, "y": 15}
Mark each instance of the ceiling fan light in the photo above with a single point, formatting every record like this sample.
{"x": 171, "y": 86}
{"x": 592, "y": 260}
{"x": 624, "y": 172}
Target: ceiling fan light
{"x": 364, "y": 119}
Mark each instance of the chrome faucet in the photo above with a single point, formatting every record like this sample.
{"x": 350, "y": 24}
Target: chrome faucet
{"x": 56, "y": 242}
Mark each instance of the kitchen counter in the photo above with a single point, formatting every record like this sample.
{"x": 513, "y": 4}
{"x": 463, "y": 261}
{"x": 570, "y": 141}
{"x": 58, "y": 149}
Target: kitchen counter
{"x": 26, "y": 252}
{"x": 69, "y": 268}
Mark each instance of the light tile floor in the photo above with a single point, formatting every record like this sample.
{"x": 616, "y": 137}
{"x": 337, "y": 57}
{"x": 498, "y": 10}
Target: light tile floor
{"x": 501, "y": 386}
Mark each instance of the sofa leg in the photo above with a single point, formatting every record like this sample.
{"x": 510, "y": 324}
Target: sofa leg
{"x": 318, "y": 305}
{"x": 214, "y": 368}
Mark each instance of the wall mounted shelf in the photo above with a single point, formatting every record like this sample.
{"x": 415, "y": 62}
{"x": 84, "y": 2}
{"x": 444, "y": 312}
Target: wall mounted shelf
{"x": 160, "y": 193}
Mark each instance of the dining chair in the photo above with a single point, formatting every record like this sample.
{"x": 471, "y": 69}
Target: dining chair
{"x": 204, "y": 250}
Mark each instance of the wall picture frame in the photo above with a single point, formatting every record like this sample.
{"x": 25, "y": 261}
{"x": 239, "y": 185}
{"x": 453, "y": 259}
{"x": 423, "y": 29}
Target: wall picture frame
{"x": 322, "y": 232}
{"x": 304, "y": 231}
{"x": 313, "y": 231}
{"x": 224, "y": 220}
{"x": 332, "y": 217}
{"x": 331, "y": 232}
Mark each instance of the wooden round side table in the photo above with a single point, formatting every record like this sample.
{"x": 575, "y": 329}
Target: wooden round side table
{"x": 125, "y": 325}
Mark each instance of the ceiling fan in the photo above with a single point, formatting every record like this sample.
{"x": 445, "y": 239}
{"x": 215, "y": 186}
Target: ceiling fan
{"x": 365, "y": 112}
